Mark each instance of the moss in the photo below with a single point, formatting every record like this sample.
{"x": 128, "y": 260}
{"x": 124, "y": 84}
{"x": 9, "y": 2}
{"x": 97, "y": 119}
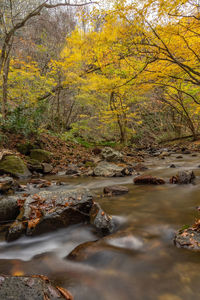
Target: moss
{"x": 14, "y": 165}
{"x": 25, "y": 148}
{"x": 34, "y": 165}
{"x": 41, "y": 155}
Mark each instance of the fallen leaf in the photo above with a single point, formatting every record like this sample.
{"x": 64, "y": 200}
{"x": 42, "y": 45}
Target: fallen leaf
{"x": 65, "y": 293}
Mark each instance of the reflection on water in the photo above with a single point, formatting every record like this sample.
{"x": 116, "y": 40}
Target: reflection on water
{"x": 142, "y": 264}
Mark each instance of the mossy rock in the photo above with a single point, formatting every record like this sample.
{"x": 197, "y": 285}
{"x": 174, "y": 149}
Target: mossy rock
{"x": 14, "y": 166}
{"x": 41, "y": 155}
{"x": 25, "y": 148}
{"x": 34, "y": 165}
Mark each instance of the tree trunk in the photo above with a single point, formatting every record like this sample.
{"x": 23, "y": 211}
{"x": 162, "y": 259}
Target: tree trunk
{"x": 5, "y": 89}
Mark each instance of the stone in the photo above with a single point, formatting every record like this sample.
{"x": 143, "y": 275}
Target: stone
{"x": 9, "y": 209}
{"x": 105, "y": 169}
{"x": 115, "y": 190}
{"x": 30, "y": 288}
{"x": 72, "y": 169}
{"x": 48, "y": 211}
{"x": 14, "y": 165}
{"x": 188, "y": 238}
{"x": 183, "y": 177}
{"x": 179, "y": 156}
{"x": 47, "y": 168}
{"x": 111, "y": 155}
{"x": 7, "y": 183}
{"x": 172, "y": 166}
{"x": 164, "y": 154}
{"x": 140, "y": 167}
{"x": 41, "y": 155}
{"x": 34, "y": 165}
{"x": 148, "y": 179}
{"x": 102, "y": 222}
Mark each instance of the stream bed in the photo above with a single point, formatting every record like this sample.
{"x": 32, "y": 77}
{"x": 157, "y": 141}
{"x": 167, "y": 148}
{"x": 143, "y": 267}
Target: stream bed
{"x": 144, "y": 264}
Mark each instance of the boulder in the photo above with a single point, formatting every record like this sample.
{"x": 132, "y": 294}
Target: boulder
{"x": 87, "y": 251}
{"x": 47, "y": 168}
{"x": 102, "y": 222}
{"x": 183, "y": 177}
{"x": 34, "y": 165}
{"x": 41, "y": 155}
{"x": 48, "y": 211}
{"x": 72, "y": 169}
{"x": 173, "y": 166}
{"x": 148, "y": 179}
{"x": 8, "y": 184}
{"x": 140, "y": 167}
{"x": 115, "y": 190}
{"x": 14, "y": 165}
{"x": 105, "y": 169}
{"x": 31, "y": 288}
{"x": 164, "y": 154}
{"x": 188, "y": 238}
{"x": 9, "y": 209}
{"x": 111, "y": 155}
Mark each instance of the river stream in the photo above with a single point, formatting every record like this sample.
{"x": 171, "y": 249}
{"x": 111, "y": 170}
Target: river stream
{"x": 142, "y": 264}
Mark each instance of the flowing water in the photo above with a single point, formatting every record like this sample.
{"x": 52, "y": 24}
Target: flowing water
{"x": 140, "y": 264}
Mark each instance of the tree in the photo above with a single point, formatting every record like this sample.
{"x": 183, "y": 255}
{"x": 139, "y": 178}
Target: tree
{"x": 14, "y": 15}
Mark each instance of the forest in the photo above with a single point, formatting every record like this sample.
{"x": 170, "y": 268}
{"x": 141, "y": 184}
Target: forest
{"x": 99, "y": 149}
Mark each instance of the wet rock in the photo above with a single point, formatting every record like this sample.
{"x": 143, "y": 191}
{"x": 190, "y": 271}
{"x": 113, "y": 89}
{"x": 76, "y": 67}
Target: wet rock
{"x": 194, "y": 155}
{"x": 34, "y": 165}
{"x": 164, "y": 154}
{"x": 179, "y": 156}
{"x": 106, "y": 169}
{"x": 148, "y": 179}
{"x": 111, "y": 155}
{"x": 140, "y": 167}
{"x": 172, "y": 166}
{"x": 115, "y": 190}
{"x": 30, "y": 288}
{"x": 72, "y": 170}
{"x": 187, "y": 152}
{"x": 103, "y": 223}
{"x": 47, "y": 168}
{"x": 9, "y": 209}
{"x": 188, "y": 238}
{"x": 86, "y": 251}
{"x": 48, "y": 211}
{"x": 14, "y": 165}
{"x": 41, "y": 155}
{"x": 7, "y": 184}
{"x": 183, "y": 177}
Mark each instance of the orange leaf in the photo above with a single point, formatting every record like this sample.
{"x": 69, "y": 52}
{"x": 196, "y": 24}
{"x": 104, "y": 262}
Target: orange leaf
{"x": 33, "y": 223}
{"x": 65, "y": 293}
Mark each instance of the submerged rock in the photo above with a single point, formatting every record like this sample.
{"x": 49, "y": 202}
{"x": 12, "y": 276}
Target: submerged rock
{"x": 89, "y": 250}
{"x": 14, "y": 165}
{"x": 115, "y": 190}
{"x": 105, "y": 169}
{"x": 183, "y": 177}
{"x": 148, "y": 179}
{"x": 30, "y": 288}
{"x": 111, "y": 155}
